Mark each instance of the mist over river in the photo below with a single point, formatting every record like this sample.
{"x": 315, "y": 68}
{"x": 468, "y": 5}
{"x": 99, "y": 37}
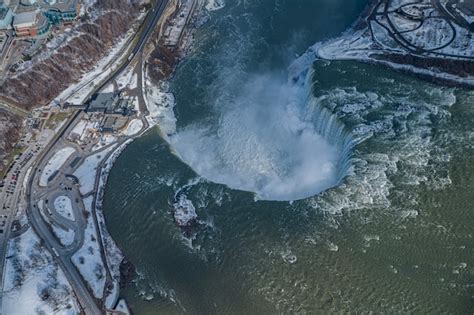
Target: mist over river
{"x": 349, "y": 191}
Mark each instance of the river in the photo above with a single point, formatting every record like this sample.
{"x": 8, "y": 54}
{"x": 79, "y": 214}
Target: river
{"x": 351, "y": 191}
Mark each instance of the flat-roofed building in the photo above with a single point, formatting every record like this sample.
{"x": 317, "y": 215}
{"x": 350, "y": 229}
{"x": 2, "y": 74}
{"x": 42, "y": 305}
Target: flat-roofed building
{"x": 6, "y": 17}
{"x": 103, "y": 103}
{"x": 31, "y": 24}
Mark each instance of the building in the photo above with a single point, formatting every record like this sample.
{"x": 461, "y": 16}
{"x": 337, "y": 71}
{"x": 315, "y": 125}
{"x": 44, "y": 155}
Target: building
{"x": 103, "y": 103}
{"x": 31, "y": 24}
{"x": 6, "y": 18}
{"x": 113, "y": 123}
{"x": 110, "y": 103}
{"x": 61, "y": 11}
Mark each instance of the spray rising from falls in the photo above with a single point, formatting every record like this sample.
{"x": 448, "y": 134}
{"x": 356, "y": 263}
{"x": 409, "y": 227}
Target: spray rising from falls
{"x": 271, "y": 138}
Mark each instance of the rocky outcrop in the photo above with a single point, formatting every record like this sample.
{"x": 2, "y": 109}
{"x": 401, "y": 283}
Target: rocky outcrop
{"x": 462, "y": 68}
{"x": 459, "y": 68}
{"x": 9, "y": 129}
{"x": 162, "y": 59}
{"x": 161, "y": 63}
{"x": 47, "y": 78}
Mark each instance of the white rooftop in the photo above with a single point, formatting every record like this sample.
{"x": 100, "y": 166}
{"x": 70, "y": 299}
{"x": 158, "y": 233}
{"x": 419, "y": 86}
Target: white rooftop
{"x": 27, "y": 18}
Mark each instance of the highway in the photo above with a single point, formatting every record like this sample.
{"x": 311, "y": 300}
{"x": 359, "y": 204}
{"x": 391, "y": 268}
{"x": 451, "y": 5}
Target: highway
{"x": 145, "y": 32}
{"x": 87, "y": 301}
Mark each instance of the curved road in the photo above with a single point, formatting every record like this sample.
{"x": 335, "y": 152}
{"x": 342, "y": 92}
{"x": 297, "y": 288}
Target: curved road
{"x": 87, "y": 301}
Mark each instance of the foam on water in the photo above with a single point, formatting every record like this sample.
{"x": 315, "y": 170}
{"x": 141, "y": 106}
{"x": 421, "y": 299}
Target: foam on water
{"x": 265, "y": 140}
{"x": 403, "y": 149}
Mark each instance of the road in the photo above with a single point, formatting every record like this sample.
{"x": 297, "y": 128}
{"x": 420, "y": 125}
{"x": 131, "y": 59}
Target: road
{"x": 400, "y": 36}
{"x": 10, "y": 197}
{"x": 87, "y": 301}
{"x": 147, "y": 30}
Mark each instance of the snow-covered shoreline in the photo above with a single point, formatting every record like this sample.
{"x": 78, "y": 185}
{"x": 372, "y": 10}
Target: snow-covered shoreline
{"x": 113, "y": 254}
{"x": 331, "y": 51}
{"x": 159, "y": 103}
{"x": 400, "y": 42}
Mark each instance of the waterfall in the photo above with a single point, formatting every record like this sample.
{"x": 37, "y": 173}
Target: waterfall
{"x": 273, "y": 138}
{"x": 329, "y": 127}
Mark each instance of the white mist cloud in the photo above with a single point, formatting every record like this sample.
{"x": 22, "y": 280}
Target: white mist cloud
{"x": 261, "y": 141}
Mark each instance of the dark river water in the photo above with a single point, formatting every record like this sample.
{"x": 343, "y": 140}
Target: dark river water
{"x": 380, "y": 166}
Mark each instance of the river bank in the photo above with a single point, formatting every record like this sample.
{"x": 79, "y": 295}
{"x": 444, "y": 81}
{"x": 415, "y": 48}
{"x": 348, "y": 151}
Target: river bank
{"x": 158, "y": 101}
{"x": 401, "y": 35}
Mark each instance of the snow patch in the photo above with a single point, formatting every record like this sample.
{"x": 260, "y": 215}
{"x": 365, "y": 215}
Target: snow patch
{"x": 63, "y": 207}
{"x": 54, "y": 164}
{"x": 66, "y": 237}
{"x": 128, "y": 79}
{"x": 213, "y": 5}
{"x": 104, "y": 141}
{"x": 133, "y": 127}
{"x": 160, "y": 105}
{"x": 88, "y": 260}
{"x": 33, "y": 282}
{"x": 184, "y": 211}
{"x": 122, "y": 307}
{"x": 87, "y": 170}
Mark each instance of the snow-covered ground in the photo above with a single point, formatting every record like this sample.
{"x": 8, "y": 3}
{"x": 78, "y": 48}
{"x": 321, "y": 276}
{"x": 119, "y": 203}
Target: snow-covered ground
{"x": 27, "y": 177}
{"x": 77, "y": 93}
{"x": 441, "y": 38}
{"x": 33, "y": 282}
{"x": 122, "y": 307}
{"x": 54, "y": 164}
{"x": 112, "y": 252}
{"x": 112, "y": 295}
{"x": 88, "y": 259}
{"x": 81, "y": 129}
{"x": 87, "y": 170}
{"x": 213, "y": 5}
{"x": 160, "y": 106}
{"x": 128, "y": 79}
{"x": 133, "y": 127}
{"x": 104, "y": 141}
{"x": 108, "y": 88}
{"x": 88, "y": 203}
{"x": 63, "y": 206}
{"x": 65, "y": 237}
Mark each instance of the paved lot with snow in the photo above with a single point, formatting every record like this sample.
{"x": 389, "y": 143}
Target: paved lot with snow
{"x": 86, "y": 172}
{"x": 55, "y": 163}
